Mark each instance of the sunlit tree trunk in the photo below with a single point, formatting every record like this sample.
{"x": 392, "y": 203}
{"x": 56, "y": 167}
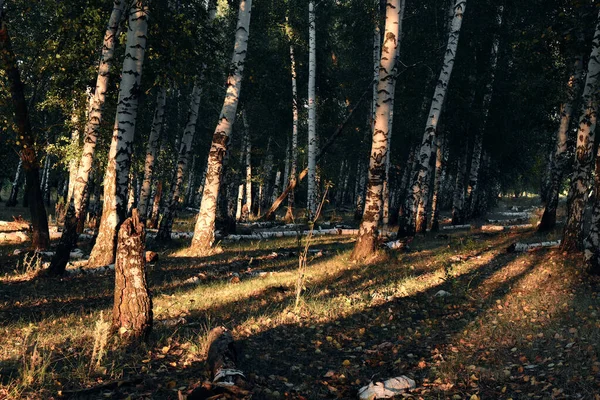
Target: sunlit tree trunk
{"x": 437, "y": 183}
{"x": 119, "y": 158}
{"x": 312, "y": 114}
{"x": 14, "y": 188}
{"x": 96, "y": 108}
{"x": 183, "y": 159}
{"x": 204, "y": 232}
{"x": 74, "y": 163}
{"x": 559, "y": 159}
{"x": 189, "y": 191}
{"x": 421, "y": 179}
{"x": 487, "y": 100}
{"x": 25, "y": 138}
{"x": 367, "y": 234}
{"x": 388, "y": 158}
{"x": 132, "y": 308}
{"x": 248, "y": 143}
{"x": 91, "y": 131}
{"x": 152, "y": 152}
{"x": 584, "y": 155}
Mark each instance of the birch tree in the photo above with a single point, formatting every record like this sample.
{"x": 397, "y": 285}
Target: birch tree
{"x": 367, "y": 234}
{"x": 119, "y": 157}
{"x": 204, "y": 231}
{"x": 248, "y": 165}
{"x": 152, "y": 151}
{"x": 289, "y": 216}
{"x": 183, "y": 159}
{"x": 584, "y": 155}
{"x": 559, "y": 159}
{"x": 312, "y": 113}
{"x": 421, "y": 179}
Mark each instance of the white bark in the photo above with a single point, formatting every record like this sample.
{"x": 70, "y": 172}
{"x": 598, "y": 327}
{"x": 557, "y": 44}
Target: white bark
{"x": 151, "y": 151}
{"x": 96, "y": 108}
{"x": 584, "y": 157}
{"x": 294, "y": 152}
{"x": 276, "y": 187}
{"x": 204, "y": 232}
{"x": 422, "y": 179}
{"x": 119, "y": 160}
{"x": 312, "y": 114}
{"x": 248, "y": 143}
{"x": 388, "y": 157}
{"x": 240, "y": 202}
{"x": 286, "y": 166}
{"x": 74, "y": 163}
{"x": 379, "y": 144}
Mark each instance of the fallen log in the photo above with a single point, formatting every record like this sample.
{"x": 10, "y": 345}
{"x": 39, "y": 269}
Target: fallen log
{"x": 294, "y": 182}
{"x": 455, "y": 227}
{"x": 514, "y": 221}
{"x": 282, "y": 234}
{"x": 521, "y": 247}
{"x": 13, "y": 237}
{"x": 505, "y": 228}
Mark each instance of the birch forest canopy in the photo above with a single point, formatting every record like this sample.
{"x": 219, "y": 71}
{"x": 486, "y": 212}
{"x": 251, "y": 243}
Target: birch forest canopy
{"x": 404, "y": 192}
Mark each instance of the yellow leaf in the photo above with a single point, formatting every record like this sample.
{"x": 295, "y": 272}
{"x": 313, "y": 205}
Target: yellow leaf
{"x": 171, "y": 384}
{"x": 346, "y": 363}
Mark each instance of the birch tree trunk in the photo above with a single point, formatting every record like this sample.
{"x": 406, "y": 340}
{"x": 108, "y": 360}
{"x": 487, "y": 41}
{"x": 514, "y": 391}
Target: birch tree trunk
{"x": 487, "y": 100}
{"x": 312, "y": 114}
{"x": 584, "y": 155}
{"x": 14, "y": 189}
{"x": 96, "y": 108}
{"x": 421, "y": 179}
{"x": 44, "y": 186}
{"x": 435, "y": 206}
{"x": 25, "y": 138}
{"x": 92, "y": 128}
{"x": 204, "y": 231}
{"x": 74, "y": 163}
{"x": 185, "y": 149}
{"x": 592, "y": 240}
{"x": 276, "y": 186}
{"x": 559, "y": 160}
{"x": 289, "y": 216}
{"x": 367, "y": 234}
{"x": 388, "y": 158}
{"x": 248, "y": 143}
{"x": 119, "y": 158}
{"x": 189, "y": 191}
{"x": 152, "y": 151}
{"x": 286, "y": 165}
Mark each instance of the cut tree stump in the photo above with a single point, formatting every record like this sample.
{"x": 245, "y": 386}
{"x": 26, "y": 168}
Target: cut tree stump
{"x": 132, "y": 311}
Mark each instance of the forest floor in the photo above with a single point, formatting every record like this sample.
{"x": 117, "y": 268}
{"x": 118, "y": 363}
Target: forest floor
{"x": 516, "y": 325}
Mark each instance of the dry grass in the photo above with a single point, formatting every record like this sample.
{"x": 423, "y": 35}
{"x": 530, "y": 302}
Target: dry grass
{"x": 516, "y": 325}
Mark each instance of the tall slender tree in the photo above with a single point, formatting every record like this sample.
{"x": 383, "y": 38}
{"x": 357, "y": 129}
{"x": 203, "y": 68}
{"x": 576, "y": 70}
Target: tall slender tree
{"x": 119, "y": 158}
{"x": 183, "y": 159}
{"x": 559, "y": 159}
{"x": 421, "y": 179}
{"x": 584, "y": 155}
{"x": 312, "y": 113}
{"x": 367, "y": 234}
{"x": 204, "y": 231}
